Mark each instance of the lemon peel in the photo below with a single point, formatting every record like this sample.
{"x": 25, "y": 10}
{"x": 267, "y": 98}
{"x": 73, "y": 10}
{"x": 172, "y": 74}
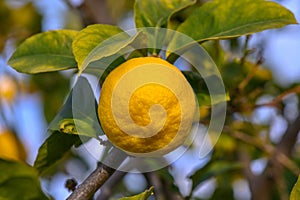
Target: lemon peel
{"x": 146, "y": 107}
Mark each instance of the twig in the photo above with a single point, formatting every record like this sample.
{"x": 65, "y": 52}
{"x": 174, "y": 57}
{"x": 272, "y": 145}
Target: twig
{"x": 109, "y": 186}
{"x": 245, "y": 158}
{"x": 289, "y": 139}
{"x": 246, "y": 51}
{"x": 98, "y": 177}
{"x": 280, "y": 97}
{"x": 269, "y": 149}
{"x": 154, "y": 179}
{"x": 251, "y": 74}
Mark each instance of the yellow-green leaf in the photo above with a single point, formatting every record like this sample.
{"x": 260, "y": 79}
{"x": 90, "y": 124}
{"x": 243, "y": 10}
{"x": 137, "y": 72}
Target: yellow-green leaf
{"x": 152, "y": 13}
{"x": 45, "y": 52}
{"x": 110, "y": 49}
{"x": 89, "y": 38}
{"x": 142, "y": 196}
{"x": 221, "y": 19}
{"x": 295, "y": 194}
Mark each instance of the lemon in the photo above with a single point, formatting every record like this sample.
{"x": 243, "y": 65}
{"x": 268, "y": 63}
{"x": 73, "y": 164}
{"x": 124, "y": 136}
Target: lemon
{"x": 8, "y": 88}
{"x": 10, "y": 147}
{"x": 146, "y": 107}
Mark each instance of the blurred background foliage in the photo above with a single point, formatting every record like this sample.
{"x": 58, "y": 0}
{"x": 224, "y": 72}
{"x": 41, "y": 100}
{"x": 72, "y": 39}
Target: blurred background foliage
{"x": 256, "y": 156}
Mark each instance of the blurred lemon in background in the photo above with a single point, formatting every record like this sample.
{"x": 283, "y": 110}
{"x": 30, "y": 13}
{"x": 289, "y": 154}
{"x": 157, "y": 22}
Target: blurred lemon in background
{"x": 10, "y": 147}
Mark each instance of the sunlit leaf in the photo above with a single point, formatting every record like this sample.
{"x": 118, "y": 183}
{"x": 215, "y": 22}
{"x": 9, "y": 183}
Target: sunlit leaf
{"x": 143, "y": 196}
{"x": 89, "y": 38}
{"x": 110, "y": 47}
{"x": 295, "y": 194}
{"x": 221, "y": 19}
{"x": 19, "y": 181}
{"x": 149, "y": 13}
{"x": 45, "y": 52}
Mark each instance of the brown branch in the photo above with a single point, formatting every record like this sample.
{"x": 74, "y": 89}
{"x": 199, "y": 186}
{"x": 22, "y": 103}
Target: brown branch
{"x": 246, "y": 51}
{"x": 108, "y": 188}
{"x": 245, "y": 158}
{"x": 261, "y": 185}
{"x": 96, "y": 11}
{"x": 250, "y": 75}
{"x": 282, "y": 158}
{"x": 93, "y": 12}
{"x": 289, "y": 139}
{"x": 154, "y": 180}
{"x": 279, "y": 98}
{"x": 99, "y": 176}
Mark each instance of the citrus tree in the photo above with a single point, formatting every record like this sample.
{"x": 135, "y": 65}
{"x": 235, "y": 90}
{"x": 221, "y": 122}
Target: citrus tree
{"x": 183, "y": 82}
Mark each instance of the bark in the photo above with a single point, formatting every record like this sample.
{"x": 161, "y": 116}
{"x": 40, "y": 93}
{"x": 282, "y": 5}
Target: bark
{"x": 98, "y": 177}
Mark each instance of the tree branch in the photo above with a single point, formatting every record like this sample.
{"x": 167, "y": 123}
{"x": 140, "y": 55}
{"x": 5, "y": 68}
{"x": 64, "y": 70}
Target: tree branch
{"x": 96, "y": 11}
{"x": 154, "y": 180}
{"x": 99, "y": 176}
{"x": 276, "y": 101}
{"x": 280, "y": 157}
{"x": 262, "y": 185}
{"x": 108, "y": 188}
{"x": 289, "y": 139}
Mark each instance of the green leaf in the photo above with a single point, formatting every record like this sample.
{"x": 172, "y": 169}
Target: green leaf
{"x": 149, "y": 13}
{"x": 53, "y": 149}
{"x": 203, "y": 95}
{"x": 111, "y": 66}
{"x": 212, "y": 169}
{"x": 295, "y": 194}
{"x": 110, "y": 47}
{"x": 79, "y": 113}
{"x": 78, "y": 117}
{"x": 221, "y": 19}
{"x": 143, "y": 196}
{"x": 19, "y": 181}
{"x": 84, "y": 109}
{"x": 45, "y": 52}
{"x": 89, "y": 38}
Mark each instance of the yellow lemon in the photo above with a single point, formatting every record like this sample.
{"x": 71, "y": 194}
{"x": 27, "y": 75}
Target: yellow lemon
{"x": 10, "y": 147}
{"x": 146, "y": 107}
{"x": 8, "y": 88}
